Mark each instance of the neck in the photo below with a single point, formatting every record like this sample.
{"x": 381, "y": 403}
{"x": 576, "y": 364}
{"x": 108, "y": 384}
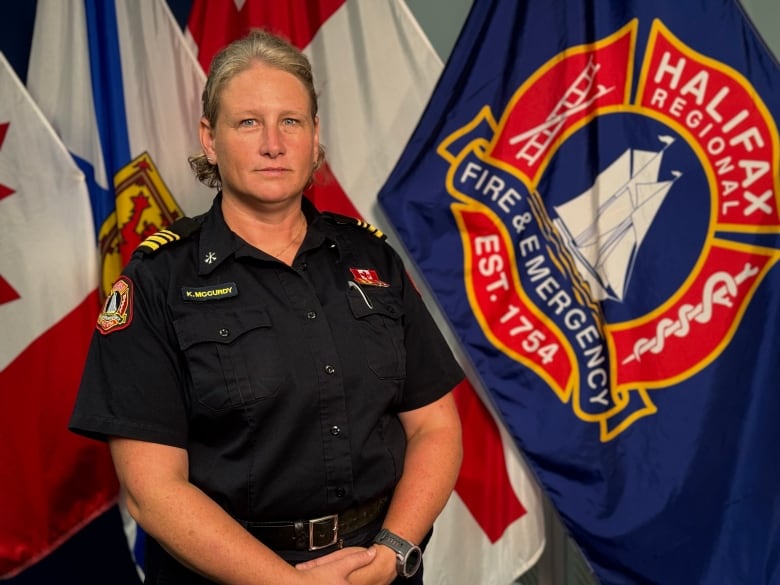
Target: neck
{"x": 277, "y": 231}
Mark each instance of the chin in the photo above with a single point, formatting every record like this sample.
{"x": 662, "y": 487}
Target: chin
{"x": 265, "y": 195}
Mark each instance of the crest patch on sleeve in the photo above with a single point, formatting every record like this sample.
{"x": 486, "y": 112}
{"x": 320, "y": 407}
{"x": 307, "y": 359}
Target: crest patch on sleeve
{"x": 117, "y": 311}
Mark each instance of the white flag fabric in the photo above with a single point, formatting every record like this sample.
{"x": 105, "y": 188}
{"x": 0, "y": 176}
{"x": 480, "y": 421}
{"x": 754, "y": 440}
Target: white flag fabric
{"x": 492, "y": 529}
{"x": 53, "y": 206}
{"x": 126, "y": 85}
{"x": 375, "y": 70}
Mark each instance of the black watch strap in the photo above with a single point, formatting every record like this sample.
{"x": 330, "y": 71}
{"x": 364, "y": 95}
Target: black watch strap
{"x": 408, "y": 555}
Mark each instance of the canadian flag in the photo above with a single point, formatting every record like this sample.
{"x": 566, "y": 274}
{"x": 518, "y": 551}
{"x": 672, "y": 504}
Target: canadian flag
{"x": 375, "y": 70}
{"x": 51, "y": 481}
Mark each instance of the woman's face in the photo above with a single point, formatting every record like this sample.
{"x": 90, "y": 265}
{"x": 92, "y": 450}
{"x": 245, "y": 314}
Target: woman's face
{"x": 265, "y": 140}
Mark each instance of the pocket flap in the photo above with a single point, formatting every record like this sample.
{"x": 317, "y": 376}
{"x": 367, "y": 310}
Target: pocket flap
{"x": 222, "y": 327}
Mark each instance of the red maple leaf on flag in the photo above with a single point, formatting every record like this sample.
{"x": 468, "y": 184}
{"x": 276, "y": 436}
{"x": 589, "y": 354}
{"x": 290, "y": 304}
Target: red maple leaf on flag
{"x": 7, "y": 292}
{"x": 4, "y": 190}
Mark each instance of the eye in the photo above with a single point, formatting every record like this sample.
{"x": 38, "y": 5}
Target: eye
{"x": 248, "y": 123}
{"x": 290, "y": 122}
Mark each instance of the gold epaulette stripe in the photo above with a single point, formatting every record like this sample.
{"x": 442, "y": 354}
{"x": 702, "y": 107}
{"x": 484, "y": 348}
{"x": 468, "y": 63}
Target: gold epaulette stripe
{"x": 161, "y": 238}
{"x": 374, "y": 230}
{"x": 349, "y": 220}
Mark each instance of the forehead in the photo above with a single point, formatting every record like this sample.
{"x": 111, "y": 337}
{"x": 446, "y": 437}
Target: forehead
{"x": 260, "y": 84}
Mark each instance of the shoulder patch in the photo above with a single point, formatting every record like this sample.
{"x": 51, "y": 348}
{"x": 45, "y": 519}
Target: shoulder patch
{"x": 180, "y": 229}
{"x": 117, "y": 311}
{"x": 346, "y": 219}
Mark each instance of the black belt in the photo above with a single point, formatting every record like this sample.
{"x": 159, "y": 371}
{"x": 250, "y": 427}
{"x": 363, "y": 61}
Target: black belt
{"x": 319, "y": 532}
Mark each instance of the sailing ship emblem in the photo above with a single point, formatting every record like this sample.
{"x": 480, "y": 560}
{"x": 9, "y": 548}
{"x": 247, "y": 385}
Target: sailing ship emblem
{"x": 604, "y": 226}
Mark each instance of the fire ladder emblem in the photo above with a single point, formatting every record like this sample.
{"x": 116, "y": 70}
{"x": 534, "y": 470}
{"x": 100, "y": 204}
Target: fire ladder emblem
{"x": 578, "y": 97}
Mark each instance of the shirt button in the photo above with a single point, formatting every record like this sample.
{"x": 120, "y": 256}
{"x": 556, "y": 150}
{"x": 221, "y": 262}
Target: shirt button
{"x": 224, "y": 332}
{"x": 311, "y": 315}
{"x": 341, "y": 492}
{"x": 304, "y": 265}
{"x": 330, "y": 369}
{"x": 335, "y": 431}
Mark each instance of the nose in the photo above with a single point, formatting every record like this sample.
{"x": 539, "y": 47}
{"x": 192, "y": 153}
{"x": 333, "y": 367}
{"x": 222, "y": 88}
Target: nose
{"x": 272, "y": 142}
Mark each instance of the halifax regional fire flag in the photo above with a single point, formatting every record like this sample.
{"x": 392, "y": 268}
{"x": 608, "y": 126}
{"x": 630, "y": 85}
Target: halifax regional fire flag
{"x": 592, "y": 195}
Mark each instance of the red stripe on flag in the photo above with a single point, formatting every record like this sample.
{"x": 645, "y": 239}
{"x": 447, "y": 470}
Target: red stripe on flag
{"x": 50, "y": 476}
{"x": 297, "y": 20}
{"x": 326, "y": 193}
{"x": 483, "y": 483}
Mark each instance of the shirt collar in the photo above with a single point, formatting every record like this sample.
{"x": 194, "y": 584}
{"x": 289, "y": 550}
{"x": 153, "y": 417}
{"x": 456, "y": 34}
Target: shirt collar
{"x": 217, "y": 242}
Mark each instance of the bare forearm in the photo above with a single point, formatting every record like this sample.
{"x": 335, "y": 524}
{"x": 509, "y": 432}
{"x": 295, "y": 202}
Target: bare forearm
{"x": 431, "y": 466}
{"x": 202, "y": 536}
{"x": 186, "y": 522}
{"x": 199, "y": 533}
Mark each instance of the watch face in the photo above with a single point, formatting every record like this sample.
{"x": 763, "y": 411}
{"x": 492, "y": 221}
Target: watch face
{"x": 412, "y": 562}
{"x": 408, "y": 555}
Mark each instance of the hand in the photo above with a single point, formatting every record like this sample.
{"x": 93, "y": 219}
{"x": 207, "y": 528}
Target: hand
{"x": 338, "y": 567}
{"x": 380, "y": 571}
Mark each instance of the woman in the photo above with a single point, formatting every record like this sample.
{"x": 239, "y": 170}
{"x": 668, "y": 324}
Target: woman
{"x": 274, "y": 393}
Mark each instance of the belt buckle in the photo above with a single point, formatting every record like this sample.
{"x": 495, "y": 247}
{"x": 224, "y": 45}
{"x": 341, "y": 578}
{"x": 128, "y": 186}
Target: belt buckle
{"x": 333, "y": 519}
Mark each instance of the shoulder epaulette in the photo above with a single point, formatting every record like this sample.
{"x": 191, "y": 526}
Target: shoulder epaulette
{"x": 346, "y": 219}
{"x": 180, "y": 229}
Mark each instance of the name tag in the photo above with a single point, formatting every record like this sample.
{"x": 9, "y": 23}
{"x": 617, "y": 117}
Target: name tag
{"x": 209, "y": 293}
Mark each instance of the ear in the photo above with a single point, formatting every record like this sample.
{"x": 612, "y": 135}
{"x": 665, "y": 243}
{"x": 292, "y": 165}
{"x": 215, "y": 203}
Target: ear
{"x": 207, "y": 140}
{"x": 316, "y": 145}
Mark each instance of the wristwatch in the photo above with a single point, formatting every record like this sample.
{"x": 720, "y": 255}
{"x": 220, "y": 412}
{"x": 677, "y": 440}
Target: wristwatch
{"x": 409, "y": 555}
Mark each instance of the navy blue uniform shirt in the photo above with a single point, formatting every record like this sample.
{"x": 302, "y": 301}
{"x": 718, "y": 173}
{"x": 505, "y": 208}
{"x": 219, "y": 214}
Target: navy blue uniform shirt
{"x": 283, "y": 383}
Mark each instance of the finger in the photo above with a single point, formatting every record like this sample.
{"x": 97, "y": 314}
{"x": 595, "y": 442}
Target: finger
{"x": 330, "y": 557}
{"x": 357, "y": 559}
{"x": 333, "y": 557}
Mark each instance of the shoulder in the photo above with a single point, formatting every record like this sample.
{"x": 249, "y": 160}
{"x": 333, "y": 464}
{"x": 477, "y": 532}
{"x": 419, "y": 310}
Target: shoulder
{"x": 368, "y": 246}
{"x": 180, "y": 230}
{"x": 353, "y": 223}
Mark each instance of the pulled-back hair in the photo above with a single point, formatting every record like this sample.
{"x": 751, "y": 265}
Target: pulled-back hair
{"x": 238, "y": 56}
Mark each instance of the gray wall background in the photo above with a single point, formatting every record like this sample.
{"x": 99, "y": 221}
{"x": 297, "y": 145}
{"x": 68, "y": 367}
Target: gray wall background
{"x": 562, "y": 563}
{"x": 443, "y": 19}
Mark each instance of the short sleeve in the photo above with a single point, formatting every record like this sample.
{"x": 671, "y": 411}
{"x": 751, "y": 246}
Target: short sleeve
{"x": 431, "y": 368}
{"x": 132, "y": 384}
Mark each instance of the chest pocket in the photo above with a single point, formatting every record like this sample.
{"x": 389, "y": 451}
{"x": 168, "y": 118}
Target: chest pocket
{"x": 233, "y": 358}
{"x": 379, "y": 316}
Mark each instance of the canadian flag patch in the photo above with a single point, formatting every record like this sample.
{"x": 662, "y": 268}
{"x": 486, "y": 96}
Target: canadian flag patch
{"x": 367, "y": 276}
